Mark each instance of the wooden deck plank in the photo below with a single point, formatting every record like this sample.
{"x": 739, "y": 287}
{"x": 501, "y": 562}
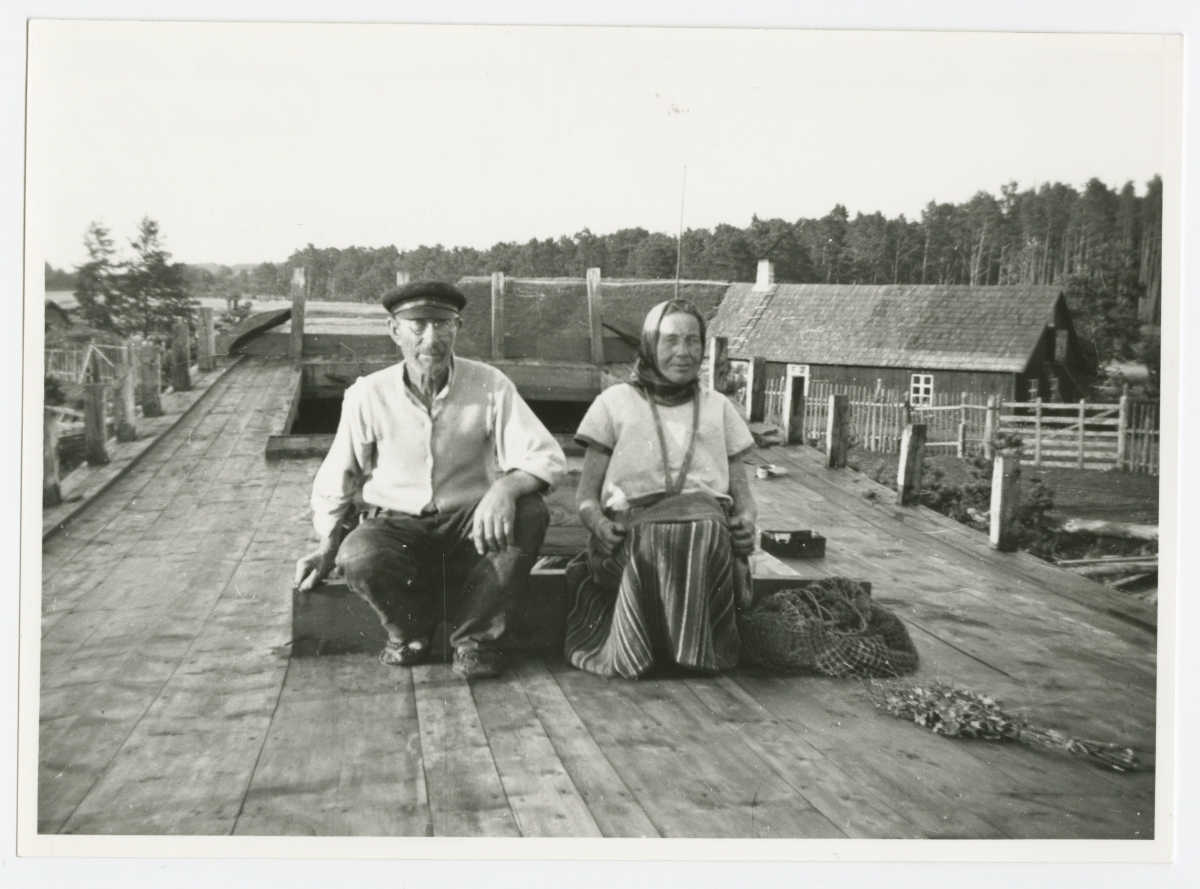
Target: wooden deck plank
{"x": 857, "y": 810}
{"x": 342, "y": 755}
{"x": 466, "y": 795}
{"x": 1033, "y": 770}
{"x": 98, "y": 511}
{"x": 909, "y": 768}
{"x": 130, "y": 649}
{"x": 687, "y": 787}
{"x": 186, "y": 765}
{"x": 187, "y": 531}
{"x": 92, "y": 558}
{"x": 612, "y": 806}
{"x": 539, "y": 790}
{"x": 84, "y": 485}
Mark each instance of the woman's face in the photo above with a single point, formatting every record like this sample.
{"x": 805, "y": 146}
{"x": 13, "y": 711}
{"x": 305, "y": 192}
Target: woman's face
{"x": 680, "y": 350}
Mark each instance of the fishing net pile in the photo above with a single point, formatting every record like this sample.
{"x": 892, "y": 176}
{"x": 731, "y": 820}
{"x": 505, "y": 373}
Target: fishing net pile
{"x": 830, "y": 627}
{"x": 957, "y": 712}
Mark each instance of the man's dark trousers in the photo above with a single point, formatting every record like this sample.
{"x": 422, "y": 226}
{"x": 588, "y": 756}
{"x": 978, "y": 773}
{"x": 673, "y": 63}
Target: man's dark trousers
{"x": 418, "y": 571}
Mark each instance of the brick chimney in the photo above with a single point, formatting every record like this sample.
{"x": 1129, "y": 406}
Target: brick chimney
{"x": 766, "y": 275}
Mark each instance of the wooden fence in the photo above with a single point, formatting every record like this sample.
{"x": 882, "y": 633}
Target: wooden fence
{"x": 1087, "y": 436}
{"x": 1122, "y": 436}
{"x": 96, "y": 363}
{"x": 878, "y": 417}
{"x": 1141, "y": 437}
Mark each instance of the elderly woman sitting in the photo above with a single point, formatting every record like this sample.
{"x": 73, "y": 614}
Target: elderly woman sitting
{"x": 665, "y": 497}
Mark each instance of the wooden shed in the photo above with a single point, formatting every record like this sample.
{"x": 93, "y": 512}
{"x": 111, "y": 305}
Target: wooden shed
{"x": 1014, "y": 342}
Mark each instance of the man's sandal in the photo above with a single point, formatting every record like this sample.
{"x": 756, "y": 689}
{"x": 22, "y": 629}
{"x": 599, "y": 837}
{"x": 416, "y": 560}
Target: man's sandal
{"x": 405, "y": 654}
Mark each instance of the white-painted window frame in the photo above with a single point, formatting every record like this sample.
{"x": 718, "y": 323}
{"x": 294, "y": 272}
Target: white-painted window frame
{"x": 920, "y": 389}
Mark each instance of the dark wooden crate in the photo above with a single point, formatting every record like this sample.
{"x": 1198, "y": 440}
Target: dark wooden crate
{"x": 793, "y": 544}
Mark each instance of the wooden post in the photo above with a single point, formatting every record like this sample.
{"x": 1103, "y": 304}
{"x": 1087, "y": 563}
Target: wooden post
{"x": 497, "y": 315}
{"x": 912, "y": 464}
{"x": 1122, "y": 419}
{"x": 1037, "y": 431}
{"x": 990, "y": 424}
{"x": 208, "y": 340}
{"x": 962, "y": 427}
{"x": 1082, "y": 417}
{"x": 299, "y": 288}
{"x": 756, "y": 390}
{"x": 1006, "y": 498}
{"x": 718, "y": 363}
{"x": 95, "y": 424}
{"x": 150, "y": 377}
{"x": 51, "y": 491}
{"x": 793, "y": 410}
{"x": 125, "y": 403}
{"x": 837, "y": 431}
{"x": 181, "y": 357}
{"x": 595, "y": 316}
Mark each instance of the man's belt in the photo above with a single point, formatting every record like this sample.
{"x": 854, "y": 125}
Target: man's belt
{"x": 373, "y": 512}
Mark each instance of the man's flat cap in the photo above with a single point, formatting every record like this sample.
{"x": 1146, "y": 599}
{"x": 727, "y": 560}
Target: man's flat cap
{"x": 424, "y": 299}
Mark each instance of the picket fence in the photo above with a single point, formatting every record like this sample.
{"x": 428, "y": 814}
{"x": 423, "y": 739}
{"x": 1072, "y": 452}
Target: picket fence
{"x": 1124, "y": 435}
{"x": 96, "y": 363}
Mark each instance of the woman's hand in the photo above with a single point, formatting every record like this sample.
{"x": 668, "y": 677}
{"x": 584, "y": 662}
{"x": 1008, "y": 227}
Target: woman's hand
{"x": 745, "y": 512}
{"x": 742, "y": 533}
{"x": 609, "y": 535}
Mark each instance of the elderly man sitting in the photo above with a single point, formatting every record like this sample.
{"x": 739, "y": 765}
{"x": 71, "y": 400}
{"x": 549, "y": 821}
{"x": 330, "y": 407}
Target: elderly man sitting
{"x": 453, "y": 464}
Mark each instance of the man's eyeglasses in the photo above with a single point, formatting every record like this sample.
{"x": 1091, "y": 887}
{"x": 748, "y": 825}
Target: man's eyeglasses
{"x": 418, "y": 326}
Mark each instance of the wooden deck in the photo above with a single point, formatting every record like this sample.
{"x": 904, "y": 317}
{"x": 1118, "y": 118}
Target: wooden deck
{"x": 170, "y": 703}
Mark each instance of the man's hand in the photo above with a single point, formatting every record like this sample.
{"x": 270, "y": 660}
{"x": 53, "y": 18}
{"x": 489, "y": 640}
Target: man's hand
{"x": 315, "y": 567}
{"x": 492, "y": 530}
{"x": 741, "y": 533}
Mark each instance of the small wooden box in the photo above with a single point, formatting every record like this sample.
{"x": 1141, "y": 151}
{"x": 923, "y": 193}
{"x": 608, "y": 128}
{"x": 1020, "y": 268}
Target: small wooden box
{"x": 793, "y": 544}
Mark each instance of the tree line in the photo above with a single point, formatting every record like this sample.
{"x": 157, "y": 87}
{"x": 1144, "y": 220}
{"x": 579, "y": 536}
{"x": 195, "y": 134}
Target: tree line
{"x": 1101, "y": 244}
{"x": 138, "y": 293}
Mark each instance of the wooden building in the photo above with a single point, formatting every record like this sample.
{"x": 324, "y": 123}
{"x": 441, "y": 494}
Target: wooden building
{"x": 1018, "y": 343}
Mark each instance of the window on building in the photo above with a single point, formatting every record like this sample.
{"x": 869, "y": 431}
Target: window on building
{"x": 1033, "y": 390}
{"x": 921, "y": 390}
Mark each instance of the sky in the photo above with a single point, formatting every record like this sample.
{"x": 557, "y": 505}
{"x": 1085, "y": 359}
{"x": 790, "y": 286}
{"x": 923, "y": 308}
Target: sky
{"x": 248, "y": 141}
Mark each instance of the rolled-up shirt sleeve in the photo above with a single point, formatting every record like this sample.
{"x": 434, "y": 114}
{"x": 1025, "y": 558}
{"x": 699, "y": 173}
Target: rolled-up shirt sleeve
{"x": 522, "y": 442}
{"x": 344, "y": 466}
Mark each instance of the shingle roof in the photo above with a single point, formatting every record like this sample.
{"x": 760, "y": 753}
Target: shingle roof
{"x": 559, "y": 305}
{"x": 928, "y": 326}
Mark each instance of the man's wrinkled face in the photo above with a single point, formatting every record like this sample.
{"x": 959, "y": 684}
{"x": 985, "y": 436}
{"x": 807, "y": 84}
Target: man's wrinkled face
{"x": 427, "y": 343}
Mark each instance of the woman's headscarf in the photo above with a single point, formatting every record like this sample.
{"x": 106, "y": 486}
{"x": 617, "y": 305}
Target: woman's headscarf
{"x": 646, "y": 373}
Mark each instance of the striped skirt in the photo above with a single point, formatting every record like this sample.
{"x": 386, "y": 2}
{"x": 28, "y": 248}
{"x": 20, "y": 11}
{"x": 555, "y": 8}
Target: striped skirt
{"x": 666, "y": 594}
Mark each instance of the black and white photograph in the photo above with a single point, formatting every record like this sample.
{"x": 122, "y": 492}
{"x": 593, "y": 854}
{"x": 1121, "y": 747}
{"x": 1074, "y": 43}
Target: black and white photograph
{"x": 762, "y": 439}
